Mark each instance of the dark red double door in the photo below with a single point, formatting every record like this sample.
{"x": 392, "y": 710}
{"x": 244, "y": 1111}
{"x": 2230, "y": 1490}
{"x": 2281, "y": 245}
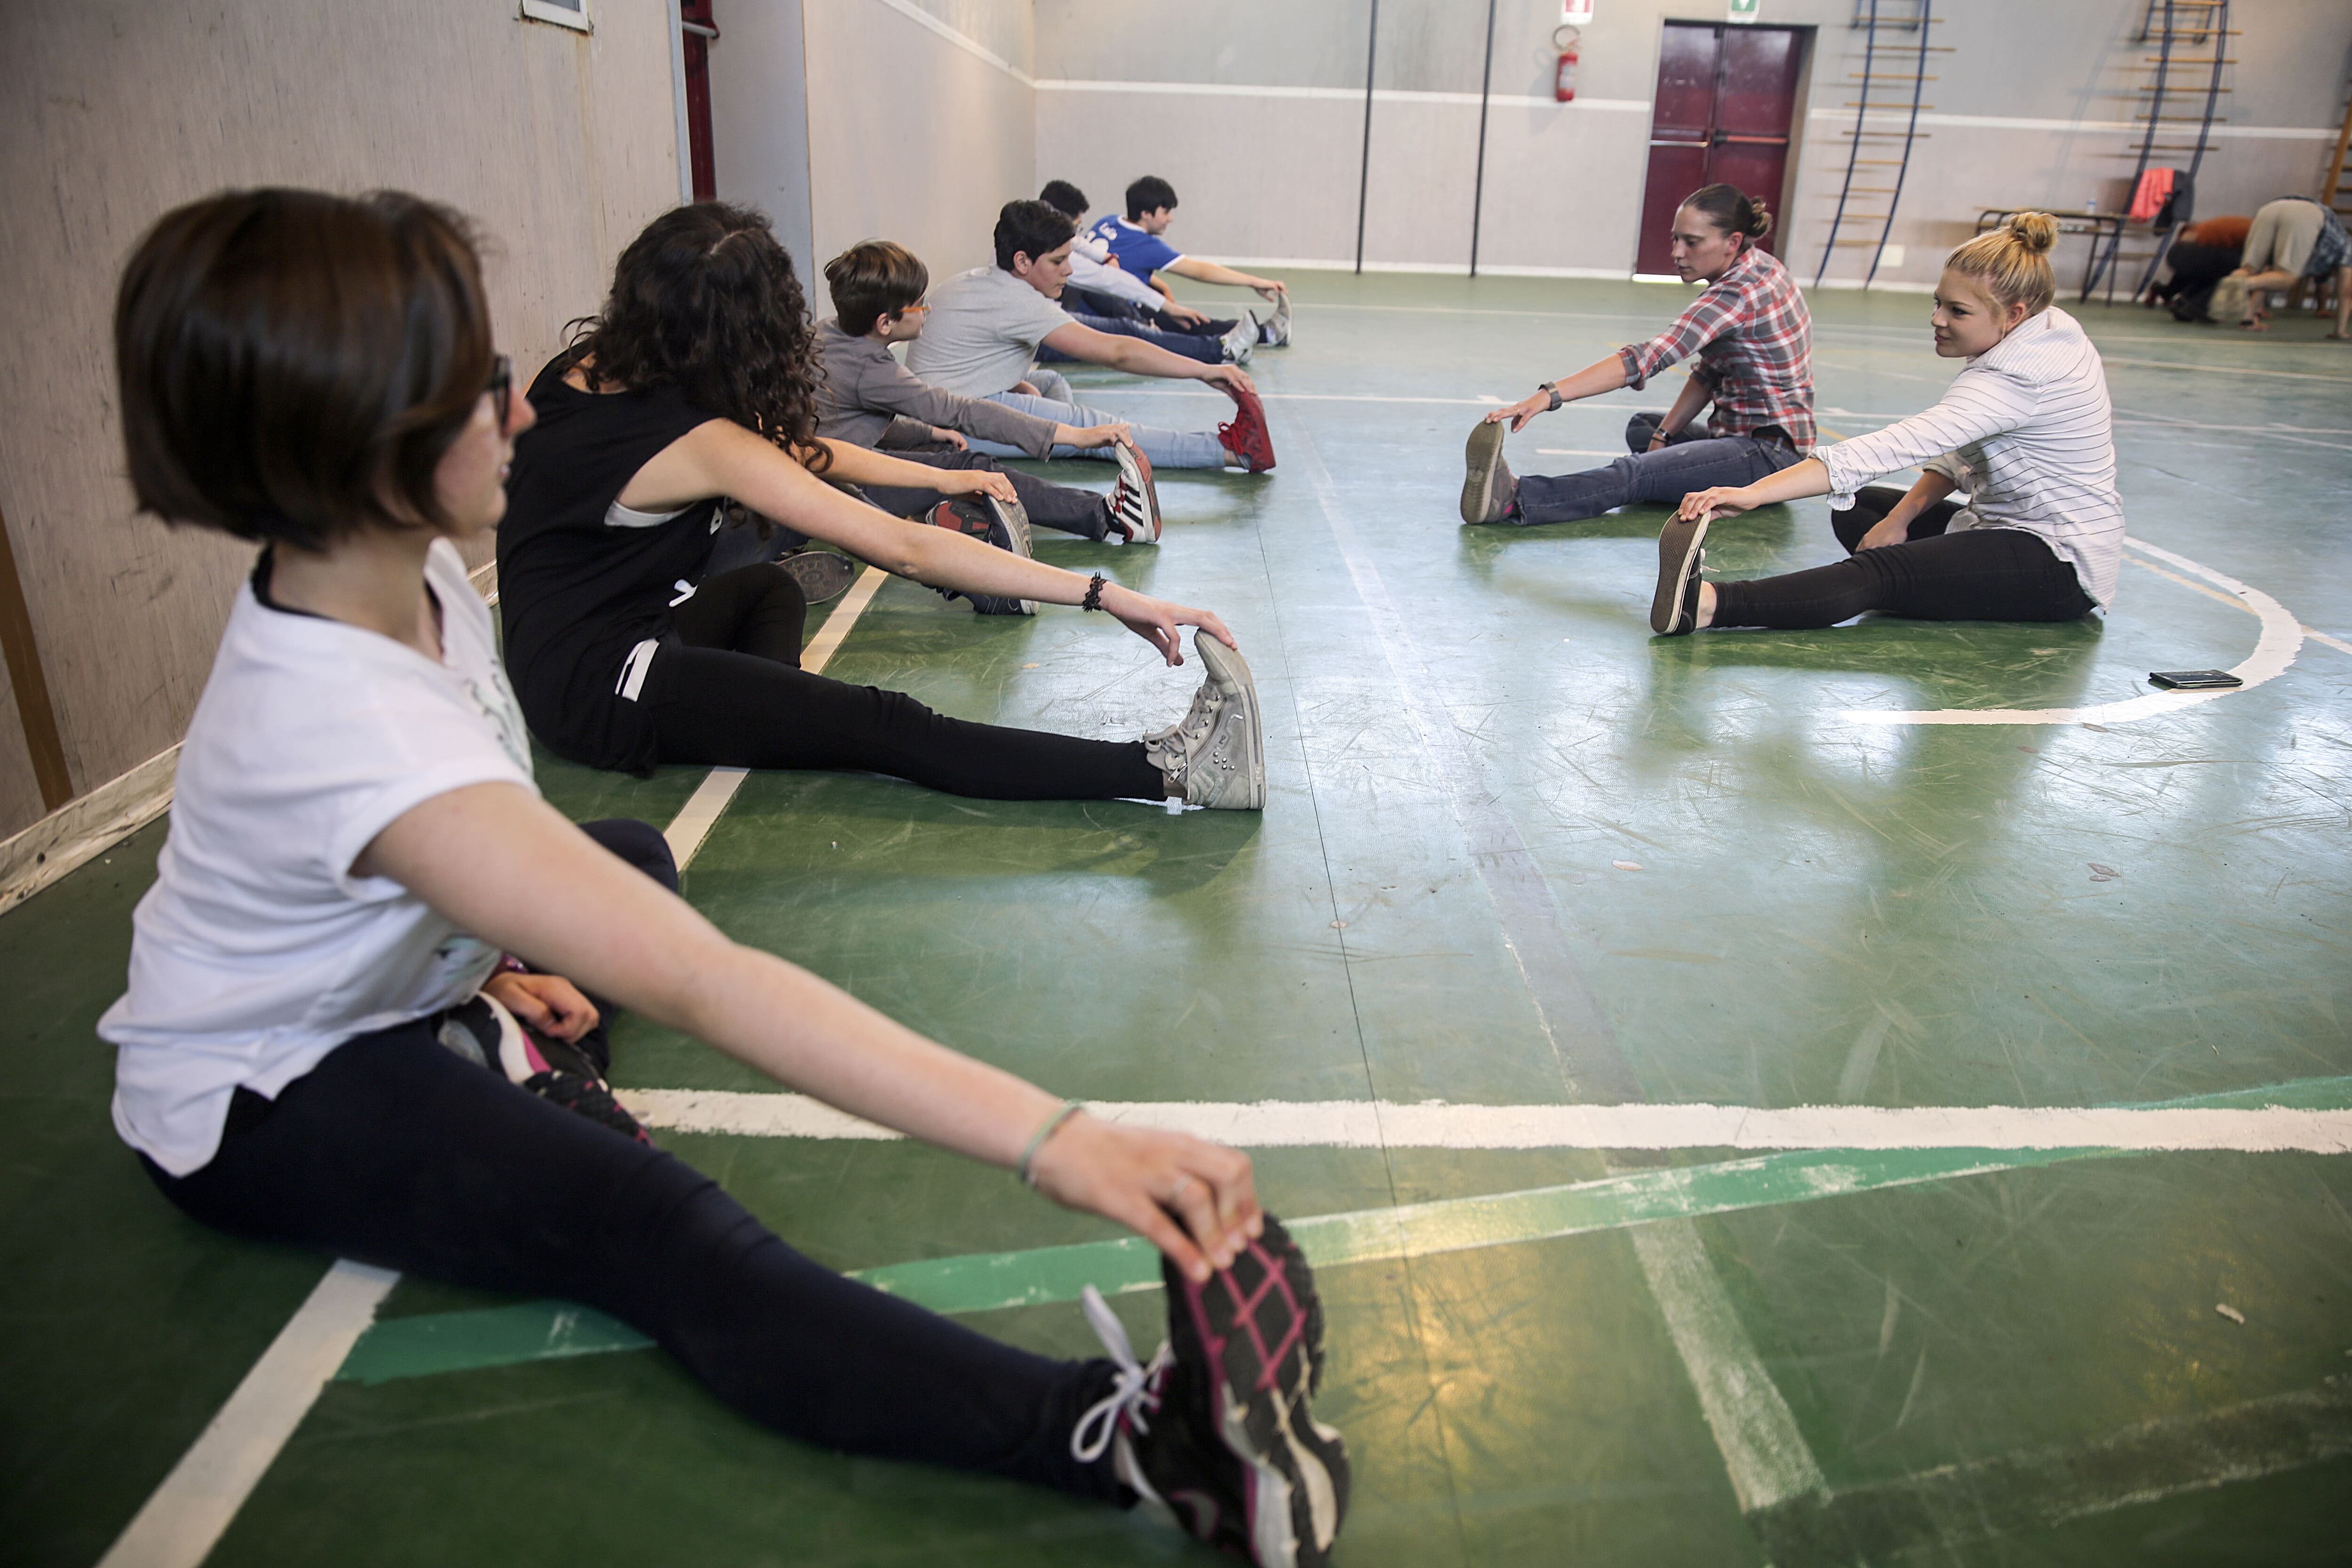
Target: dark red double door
{"x": 1726, "y": 103}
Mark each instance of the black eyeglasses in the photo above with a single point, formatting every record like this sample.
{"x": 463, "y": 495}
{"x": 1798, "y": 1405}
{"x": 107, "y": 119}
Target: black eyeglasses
{"x": 501, "y": 386}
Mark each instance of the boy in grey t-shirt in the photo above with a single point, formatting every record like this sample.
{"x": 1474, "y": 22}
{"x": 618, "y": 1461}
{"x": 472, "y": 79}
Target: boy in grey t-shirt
{"x": 868, "y": 397}
{"x": 986, "y": 325}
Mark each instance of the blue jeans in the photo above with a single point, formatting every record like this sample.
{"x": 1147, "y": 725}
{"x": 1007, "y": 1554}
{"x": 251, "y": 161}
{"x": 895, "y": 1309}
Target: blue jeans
{"x": 1189, "y": 345}
{"x": 1686, "y": 463}
{"x": 1166, "y": 449}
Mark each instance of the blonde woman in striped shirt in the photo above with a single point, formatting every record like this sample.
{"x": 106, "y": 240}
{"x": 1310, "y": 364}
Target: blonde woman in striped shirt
{"x": 2025, "y": 429}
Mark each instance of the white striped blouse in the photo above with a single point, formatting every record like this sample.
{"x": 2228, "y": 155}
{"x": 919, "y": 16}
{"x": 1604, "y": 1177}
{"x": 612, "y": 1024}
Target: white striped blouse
{"x": 2027, "y": 431}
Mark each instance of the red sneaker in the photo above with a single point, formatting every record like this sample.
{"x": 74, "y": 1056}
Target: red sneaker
{"x": 1245, "y": 436}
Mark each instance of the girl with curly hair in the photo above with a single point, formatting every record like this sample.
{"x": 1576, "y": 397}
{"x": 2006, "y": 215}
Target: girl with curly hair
{"x": 698, "y": 384}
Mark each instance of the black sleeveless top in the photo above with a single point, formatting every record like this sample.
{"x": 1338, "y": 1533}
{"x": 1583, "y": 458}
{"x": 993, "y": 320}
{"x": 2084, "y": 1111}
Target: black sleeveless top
{"x": 577, "y": 593}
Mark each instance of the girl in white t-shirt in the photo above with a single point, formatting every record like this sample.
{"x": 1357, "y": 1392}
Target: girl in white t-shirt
{"x": 356, "y": 839}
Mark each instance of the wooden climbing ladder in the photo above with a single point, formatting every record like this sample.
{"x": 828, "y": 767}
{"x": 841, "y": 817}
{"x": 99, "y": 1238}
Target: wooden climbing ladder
{"x": 2184, "y": 88}
{"x": 1878, "y": 22}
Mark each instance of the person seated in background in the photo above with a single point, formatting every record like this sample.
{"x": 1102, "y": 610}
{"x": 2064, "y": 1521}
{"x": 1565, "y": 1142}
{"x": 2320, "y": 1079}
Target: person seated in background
{"x": 2025, "y": 428}
{"x": 2294, "y": 239}
{"x": 1137, "y": 243}
{"x": 985, "y": 326}
{"x": 2203, "y": 254}
{"x": 1753, "y": 338}
{"x": 868, "y": 397}
{"x": 1100, "y": 292}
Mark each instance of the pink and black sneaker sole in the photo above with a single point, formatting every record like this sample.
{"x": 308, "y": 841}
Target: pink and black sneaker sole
{"x": 1255, "y": 1333}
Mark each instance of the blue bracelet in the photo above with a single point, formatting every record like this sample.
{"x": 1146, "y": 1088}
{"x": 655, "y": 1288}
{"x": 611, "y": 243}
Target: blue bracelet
{"x": 1027, "y": 1166}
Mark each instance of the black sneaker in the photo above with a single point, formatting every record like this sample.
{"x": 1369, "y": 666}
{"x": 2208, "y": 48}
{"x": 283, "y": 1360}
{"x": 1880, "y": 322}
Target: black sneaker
{"x": 822, "y": 574}
{"x": 1004, "y": 525}
{"x": 485, "y": 1033}
{"x": 1216, "y": 1429}
{"x": 1673, "y": 608}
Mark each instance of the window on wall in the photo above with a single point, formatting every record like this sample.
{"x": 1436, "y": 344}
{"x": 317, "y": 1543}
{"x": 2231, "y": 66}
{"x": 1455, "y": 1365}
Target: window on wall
{"x": 563, "y": 13}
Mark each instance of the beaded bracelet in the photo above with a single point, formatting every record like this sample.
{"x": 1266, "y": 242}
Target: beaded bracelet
{"x": 1027, "y": 1166}
{"x": 1093, "y": 601}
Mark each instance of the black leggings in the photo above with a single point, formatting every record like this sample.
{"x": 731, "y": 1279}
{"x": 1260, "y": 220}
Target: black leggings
{"x": 396, "y": 1152}
{"x": 730, "y": 692}
{"x": 1975, "y": 574}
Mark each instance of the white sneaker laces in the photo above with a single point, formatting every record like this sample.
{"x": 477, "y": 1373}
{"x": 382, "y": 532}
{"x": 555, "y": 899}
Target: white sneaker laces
{"x": 1130, "y": 1391}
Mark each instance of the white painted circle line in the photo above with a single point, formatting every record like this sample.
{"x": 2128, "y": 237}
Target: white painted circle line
{"x": 2281, "y": 640}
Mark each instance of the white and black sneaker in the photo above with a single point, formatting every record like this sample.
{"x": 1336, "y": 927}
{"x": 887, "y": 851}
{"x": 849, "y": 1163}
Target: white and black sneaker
{"x": 1239, "y": 342}
{"x": 1135, "y": 502}
{"x": 1215, "y": 755}
{"x": 1004, "y": 525}
{"x": 1673, "y": 608}
{"x": 1215, "y": 1429}
{"x": 485, "y": 1033}
{"x": 1275, "y": 332}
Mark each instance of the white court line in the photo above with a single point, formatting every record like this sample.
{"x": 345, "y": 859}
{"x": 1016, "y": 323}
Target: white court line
{"x": 187, "y": 1514}
{"x": 182, "y": 1521}
{"x": 1385, "y": 1124}
{"x": 2282, "y": 637}
{"x": 1775, "y": 1463}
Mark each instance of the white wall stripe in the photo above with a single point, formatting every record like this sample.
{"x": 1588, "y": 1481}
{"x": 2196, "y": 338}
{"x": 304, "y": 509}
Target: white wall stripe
{"x": 971, "y": 46}
{"x": 1896, "y": 118}
{"x": 186, "y": 1515}
{"x": 1335, "y": 94}
{"x": 1385, "y": 1124}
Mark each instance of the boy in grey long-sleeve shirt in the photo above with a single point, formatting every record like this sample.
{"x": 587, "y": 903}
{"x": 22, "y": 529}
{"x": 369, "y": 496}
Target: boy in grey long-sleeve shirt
{"x": 868, "y": 397}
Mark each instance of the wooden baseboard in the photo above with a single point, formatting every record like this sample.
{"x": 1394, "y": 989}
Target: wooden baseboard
{"x": 89, "y": 824}
{"x": 85, "y": 828}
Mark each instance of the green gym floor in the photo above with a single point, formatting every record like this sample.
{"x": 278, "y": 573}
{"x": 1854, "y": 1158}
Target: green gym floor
{"x": 1516, "y": 853}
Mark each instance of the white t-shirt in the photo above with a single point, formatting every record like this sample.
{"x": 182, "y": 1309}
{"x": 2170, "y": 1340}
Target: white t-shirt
{"x": 257, "y": 952}
{"x": 982, "y": 333}
{"x": 1089, "y": 271}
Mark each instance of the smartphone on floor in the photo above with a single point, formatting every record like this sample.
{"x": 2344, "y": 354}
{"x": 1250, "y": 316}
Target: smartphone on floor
{"x": 2194, "y": 679}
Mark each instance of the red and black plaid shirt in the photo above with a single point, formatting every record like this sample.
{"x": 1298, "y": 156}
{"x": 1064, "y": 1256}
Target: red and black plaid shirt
{"x": 1754, "y": 338}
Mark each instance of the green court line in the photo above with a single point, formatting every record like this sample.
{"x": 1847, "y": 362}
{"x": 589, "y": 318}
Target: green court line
{"x": 979, "y": 1282}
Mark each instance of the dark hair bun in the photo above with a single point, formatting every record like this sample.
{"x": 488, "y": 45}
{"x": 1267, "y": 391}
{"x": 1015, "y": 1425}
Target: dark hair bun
{"x": 1759, "y": 220}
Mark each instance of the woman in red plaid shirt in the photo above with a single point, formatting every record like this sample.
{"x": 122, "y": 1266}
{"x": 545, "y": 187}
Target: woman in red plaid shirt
{"x": 1753, "y": 338}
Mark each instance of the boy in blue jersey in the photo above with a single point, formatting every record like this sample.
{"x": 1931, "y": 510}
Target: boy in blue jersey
{"x": 1136, "y": 244}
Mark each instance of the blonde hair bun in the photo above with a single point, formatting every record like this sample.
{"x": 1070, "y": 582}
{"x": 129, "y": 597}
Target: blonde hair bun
{"x": 2037, "y": 232}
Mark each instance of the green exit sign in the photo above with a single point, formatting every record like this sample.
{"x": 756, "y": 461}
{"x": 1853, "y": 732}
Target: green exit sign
{"x": 1744, "y": 10}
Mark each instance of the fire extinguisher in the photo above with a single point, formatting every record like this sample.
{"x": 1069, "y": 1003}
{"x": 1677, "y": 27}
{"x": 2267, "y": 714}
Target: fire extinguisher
{"x": 1564, "y": 39}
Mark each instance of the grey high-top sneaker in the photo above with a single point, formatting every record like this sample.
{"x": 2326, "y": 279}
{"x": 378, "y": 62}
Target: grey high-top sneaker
{"x": 1216, "y": 753}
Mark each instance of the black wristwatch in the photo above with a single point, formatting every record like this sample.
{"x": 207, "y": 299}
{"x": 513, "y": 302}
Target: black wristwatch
{"x": 1556, "y": 398}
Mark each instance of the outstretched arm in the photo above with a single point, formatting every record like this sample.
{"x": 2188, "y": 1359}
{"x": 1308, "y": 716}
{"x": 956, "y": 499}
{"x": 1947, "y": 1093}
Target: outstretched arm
{"x": 1202, "y": 271}
{"x": 1600, "y": 376}
{"x": 1139, "y": 358}
{"x": 1795, "y": 482}
{"x": 720, "y": 458}
{"x": 502, "y": 864}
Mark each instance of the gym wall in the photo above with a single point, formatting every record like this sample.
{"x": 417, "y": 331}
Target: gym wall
{"x": 1257, "y": 115}
{"x": 917, "y": 133}
{"x": 560, "y": 144}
